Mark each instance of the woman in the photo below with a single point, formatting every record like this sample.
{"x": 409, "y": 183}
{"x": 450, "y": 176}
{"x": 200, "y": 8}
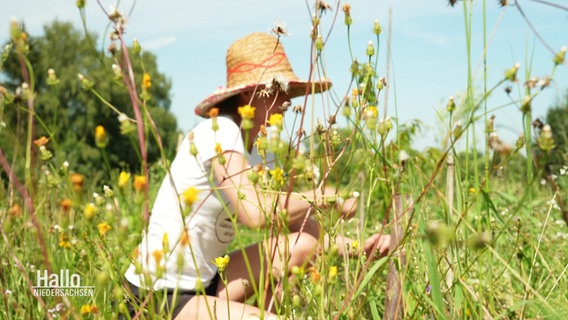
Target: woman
{"x": 209, "y": 189}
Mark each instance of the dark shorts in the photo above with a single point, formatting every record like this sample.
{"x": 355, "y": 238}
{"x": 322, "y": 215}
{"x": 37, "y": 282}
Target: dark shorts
{"x": 182, "y": 297}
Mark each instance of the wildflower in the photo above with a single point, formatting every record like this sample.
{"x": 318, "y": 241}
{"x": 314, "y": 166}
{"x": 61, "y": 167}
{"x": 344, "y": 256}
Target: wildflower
{"x": 381, "y": 83}
{"x": 355, "y": 244}
{"x": 165, "y": 242}
{"x": 247, "y": 113}
{"x": 370, "y": 49}
{"x": 511, "y": 74}
{"x": 126, "y": 124}
{"x": 184, "y": 238}
{"x": 277, "y": 175}
{"x": 222, "y": 262}
{"x": 123, "y": 179}
{"x": 64, "y": 241}
{"x": 77, "y": 181}
{"x": 146, "y": 81}
{"x": 371, "y": 112}
{"x": 101, "y": 138}
{"x": 117, "y": 71}
{"x": 103, "y": 228}
{"x": 15, "y": 210}
{"x": 347, "y": 10}
{"x": 80, "y": 4}
{"x": 44, "y": 153}
{"x": 451, "y": 106}
{"x": 280, "y": 29}
{"x": 275, "y": 120}
{"x": 319, "y": 43}
{"x": 139, "y": 183}
{"x": 158, "y": 255}
{"x": 89, "y": 211}
{"x": 545, "y": 140}
{"x": 190, "y": 196}
{"x": 136, "y": 48}
{"x": 192, "y": 147}
{"x": 86, "y": 309}
{"x": 66, "y": 205}
{"x": 315, "y": 275}
{"x": 377, "y": 27}
{"x": 384, "y": 126}
{"x": 332, "y": 273}
{"x": 214, "y": 112}
{"x": 51, "y": 77}
{"x": 86, "y": 84}
{"x": 560, "y": 56}
{"x": 108, "y": 191}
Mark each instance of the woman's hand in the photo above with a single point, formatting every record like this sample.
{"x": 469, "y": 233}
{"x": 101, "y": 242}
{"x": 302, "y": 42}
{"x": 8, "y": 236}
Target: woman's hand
{"x": 379, "y": 241}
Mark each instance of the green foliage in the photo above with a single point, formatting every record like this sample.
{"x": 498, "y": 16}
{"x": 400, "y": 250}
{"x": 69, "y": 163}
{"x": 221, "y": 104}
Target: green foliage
{"x": 67, "y": 114}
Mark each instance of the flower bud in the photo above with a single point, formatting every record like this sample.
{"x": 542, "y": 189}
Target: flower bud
{"x": 560, "y": 56}
{"x": 511, "y": 74}
{"x": 377, "y": 27}
{"x": 136, "y": 48}
{"x": 370, "y": 49}
{"x": 451, "y": 106}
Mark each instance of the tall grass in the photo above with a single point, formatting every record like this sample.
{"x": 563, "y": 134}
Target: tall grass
{"x": 476, "y": 240}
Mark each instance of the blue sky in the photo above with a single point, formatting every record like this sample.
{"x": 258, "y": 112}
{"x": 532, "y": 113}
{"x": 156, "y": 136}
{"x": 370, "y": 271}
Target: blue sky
{"x": 428, "y": 52}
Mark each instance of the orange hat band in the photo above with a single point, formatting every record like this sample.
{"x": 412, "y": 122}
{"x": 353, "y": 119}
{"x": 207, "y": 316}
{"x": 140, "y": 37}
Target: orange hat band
{"x": 267, "y": 63}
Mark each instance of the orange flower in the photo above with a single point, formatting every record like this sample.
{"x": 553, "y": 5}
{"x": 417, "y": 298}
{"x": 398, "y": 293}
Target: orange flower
{"x": 140, "y": 183}
{"x": 77, "y": 181}
{"x": 41, "y": 141}
{"x": 158, "y": 254}
{"x": 184, "y": 239}
{"x": 214, "y": 112}
{"x": 66, "y": 205}
{"x": 15, "y": 210}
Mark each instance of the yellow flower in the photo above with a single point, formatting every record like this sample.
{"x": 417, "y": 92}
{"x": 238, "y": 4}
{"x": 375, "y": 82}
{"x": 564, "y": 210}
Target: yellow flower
{"x": 123, "y": 179}
{"x": 90, "y": 211}
{"x": 371, "y": 112}
{"x": 190, "y": 196}
{"x": 218, "y": 148}
{"x": 222, "y": 262}
{"x": 355, "y": 244}
{"x": 158, "y": 254}
{"x": 103, "y": 228}
{"x": 101, "y": 138}
{"x": 277, "y": 175}
{"x": 139, "y": 183}
{"x": 86, "y": 309}
{"x": 146, "y": 81}
{"x": 64, "y": 241}
{"x": 332, "y": 273}
{"x": 472, "y": 190}
{"x": 165, "y": 242}
{"x": 247, "y": 112}
{"x": 275, "y": 120}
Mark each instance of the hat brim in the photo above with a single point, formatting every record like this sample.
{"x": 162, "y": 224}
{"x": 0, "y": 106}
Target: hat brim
{"x": 296, "y": 88}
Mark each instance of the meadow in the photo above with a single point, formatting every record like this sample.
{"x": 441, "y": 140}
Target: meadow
{"x": 479, "y": 231}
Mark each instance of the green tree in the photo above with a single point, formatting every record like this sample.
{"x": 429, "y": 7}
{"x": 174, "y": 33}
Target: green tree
{"x": 68, "y": 114}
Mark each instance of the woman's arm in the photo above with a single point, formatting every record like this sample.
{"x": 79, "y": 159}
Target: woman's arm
{"x": 252, "y": 204}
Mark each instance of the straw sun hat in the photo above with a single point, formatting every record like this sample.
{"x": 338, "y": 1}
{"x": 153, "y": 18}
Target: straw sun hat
{"x": 258, "y": 62}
